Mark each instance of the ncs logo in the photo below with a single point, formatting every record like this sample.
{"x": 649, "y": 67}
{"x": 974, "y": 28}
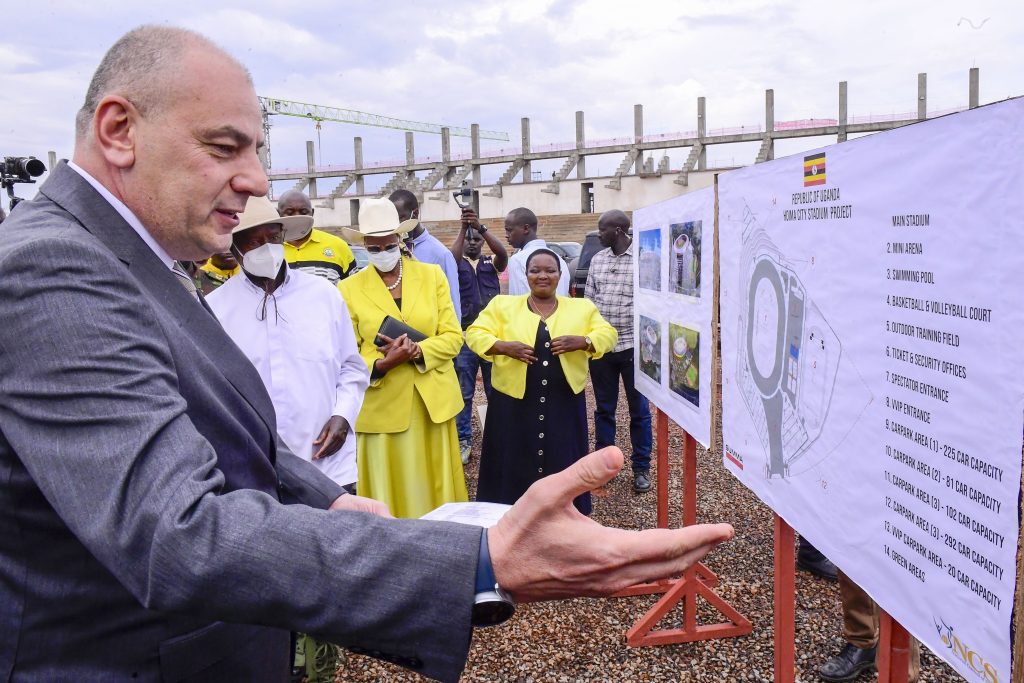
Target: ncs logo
{"x": 966, "y": 654}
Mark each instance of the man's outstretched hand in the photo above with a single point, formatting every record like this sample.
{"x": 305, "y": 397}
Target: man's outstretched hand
{"x": 544, "y": 549}
{"x": 361, "y": 504}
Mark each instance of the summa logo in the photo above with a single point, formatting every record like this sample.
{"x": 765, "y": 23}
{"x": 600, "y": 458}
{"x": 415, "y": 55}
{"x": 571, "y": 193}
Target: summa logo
{"x": 965, "y": 653}
{"x": 734, "y": 457}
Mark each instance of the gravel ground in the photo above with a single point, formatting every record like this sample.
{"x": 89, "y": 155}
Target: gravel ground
{"x": 584, "y": 639}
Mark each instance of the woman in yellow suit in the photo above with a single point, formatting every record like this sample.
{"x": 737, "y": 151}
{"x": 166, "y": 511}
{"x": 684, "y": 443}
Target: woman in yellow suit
{"x": 536, "y": 414}
{"x": 407, "y": 447}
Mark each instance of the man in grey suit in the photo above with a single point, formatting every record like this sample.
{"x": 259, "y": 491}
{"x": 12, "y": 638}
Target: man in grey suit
{"x": 153, "y": 527}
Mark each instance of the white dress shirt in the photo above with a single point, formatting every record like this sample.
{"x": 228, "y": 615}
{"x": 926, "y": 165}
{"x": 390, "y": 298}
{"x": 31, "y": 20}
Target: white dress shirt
{"x": 517, "y": 283}
{"x": 306, "y": 353}
{"x": 126, "y": 213}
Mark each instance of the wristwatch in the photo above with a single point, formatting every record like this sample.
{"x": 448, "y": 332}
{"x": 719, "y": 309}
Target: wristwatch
{"x": 492, "y": 605}
{"x": 590, "y": 344}
{"x": 482, "y": 229}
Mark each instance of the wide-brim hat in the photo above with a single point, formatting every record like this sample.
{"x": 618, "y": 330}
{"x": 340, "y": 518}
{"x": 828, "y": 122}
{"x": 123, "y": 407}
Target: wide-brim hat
{"x": 378, "y": 218}
{"x": 260, "y": 211}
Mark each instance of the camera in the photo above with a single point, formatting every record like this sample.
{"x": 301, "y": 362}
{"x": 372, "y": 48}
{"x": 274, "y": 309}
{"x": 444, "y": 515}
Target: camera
{"x": 463, "y": 196}
{"x": 19, "y": 170}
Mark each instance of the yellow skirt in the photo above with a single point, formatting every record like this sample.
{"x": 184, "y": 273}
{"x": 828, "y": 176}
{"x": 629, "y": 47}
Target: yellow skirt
{"x": 413, "y": 471}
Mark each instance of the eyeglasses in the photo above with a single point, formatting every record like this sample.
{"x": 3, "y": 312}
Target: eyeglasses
{"x": 376, "y": 250}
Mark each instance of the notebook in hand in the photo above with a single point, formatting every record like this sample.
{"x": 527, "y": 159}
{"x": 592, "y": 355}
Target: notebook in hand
{"x": 395, "y": 328}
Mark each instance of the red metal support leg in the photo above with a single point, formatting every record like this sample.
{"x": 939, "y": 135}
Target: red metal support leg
{"x": 662, "y": 459}
{"x": 785, "y": 603}
{"x": 689, "y": 519}
{"x": 893, "y": 659}
{"x": 698, "y": 580}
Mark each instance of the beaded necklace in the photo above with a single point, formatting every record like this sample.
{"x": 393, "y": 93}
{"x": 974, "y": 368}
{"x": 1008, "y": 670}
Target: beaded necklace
{"x": 399, "y": 280}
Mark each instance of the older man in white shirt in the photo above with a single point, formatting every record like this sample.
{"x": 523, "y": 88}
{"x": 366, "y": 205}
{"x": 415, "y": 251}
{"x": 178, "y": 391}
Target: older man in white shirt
{"x": 296, "y": 330}
{"x": 521, "y": 232}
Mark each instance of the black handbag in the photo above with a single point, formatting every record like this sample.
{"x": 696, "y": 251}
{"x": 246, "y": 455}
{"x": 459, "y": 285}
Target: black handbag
{"x": 394, "y": 328}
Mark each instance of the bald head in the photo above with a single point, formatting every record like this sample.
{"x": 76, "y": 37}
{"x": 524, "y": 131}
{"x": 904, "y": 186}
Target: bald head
{"x": 612, "y": 230}
{"x": 143, "y": 67}
{"x": 294, "y": 203}
{"x": 171, "y": 126}
{"x": 614, "y": 218}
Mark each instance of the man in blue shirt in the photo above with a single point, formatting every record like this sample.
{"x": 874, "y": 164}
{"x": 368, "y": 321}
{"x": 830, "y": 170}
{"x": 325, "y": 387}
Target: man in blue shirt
{"x": 425, "y": 247}
{"x": 478, "y": 284}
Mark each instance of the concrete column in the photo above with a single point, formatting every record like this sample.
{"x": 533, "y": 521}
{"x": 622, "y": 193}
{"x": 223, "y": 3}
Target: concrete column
{"x": 841, "y": 136}
{"x": 702, "y": 131}
{"x": 360, "y": 185}
{"x": 769, "y": 122}
{"x": 446, "y": 154}
{"x": 638, "y": 134}
{"x": 410, "y": 149}
{"x": 527, "y": 175}
{"x": 922, "y": 96}
{"x": 581, "y": 142}
{"x": 474, "y": 132}
{"x": 972, "y": 93}
{"x": 311, "y": 167}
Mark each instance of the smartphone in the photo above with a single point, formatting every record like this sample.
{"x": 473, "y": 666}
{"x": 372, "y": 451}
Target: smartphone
{"x": 463, "y": 196}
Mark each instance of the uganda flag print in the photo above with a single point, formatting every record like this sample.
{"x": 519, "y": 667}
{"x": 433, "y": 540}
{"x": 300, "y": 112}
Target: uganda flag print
{"x": 814, "y": 170}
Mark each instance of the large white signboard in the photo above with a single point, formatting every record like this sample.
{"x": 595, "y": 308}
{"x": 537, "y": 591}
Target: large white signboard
{"x": 673, "y": 261}
{"x": 873, "y": 365}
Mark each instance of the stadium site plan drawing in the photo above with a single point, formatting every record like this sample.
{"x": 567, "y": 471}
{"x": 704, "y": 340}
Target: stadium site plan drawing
{"x": 787, "y": 368}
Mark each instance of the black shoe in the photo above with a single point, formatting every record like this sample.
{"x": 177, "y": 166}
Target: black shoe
{"x": 821, "y": 567}
{"x": 641, "y": 482}
{"x": 848, "y": 664}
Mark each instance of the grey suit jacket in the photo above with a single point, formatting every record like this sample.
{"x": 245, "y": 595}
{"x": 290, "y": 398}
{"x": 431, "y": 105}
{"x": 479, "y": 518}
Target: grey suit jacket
{"x": 146, "y": 531}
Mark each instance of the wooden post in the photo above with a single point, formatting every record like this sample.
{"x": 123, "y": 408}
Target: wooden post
{"x": 785, "y": 603}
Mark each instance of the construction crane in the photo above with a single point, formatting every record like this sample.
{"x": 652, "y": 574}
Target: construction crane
{"x": 319, "y": 113}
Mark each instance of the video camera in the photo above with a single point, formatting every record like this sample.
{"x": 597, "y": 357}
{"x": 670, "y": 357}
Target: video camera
{"x": 19, "y": 170}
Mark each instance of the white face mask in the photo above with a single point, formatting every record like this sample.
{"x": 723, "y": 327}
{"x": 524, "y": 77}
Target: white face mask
{"x": 264, "y": 261}
{"x": 386, "y": 261}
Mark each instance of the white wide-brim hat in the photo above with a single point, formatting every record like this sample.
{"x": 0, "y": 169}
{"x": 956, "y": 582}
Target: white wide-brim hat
{"x": 378, "y": 218}
{"x": 260, "y": 211}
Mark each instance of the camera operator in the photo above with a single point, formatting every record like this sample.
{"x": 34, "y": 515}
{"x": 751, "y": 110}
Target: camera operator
{"x": 478, "y": 284}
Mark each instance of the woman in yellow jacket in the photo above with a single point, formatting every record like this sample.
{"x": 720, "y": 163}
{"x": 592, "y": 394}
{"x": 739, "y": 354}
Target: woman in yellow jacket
{"x": 407, "y": 449}
{"x": 537, "y": 414}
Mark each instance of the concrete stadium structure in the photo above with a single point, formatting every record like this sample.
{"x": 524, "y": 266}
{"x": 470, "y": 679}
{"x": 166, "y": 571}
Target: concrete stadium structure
{"x": 568, "y": 207}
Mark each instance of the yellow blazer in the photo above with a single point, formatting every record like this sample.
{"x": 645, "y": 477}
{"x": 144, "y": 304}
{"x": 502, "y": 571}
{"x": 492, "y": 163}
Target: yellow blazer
{"x": 508, "y": 318}
{"x": 427, "y": 306}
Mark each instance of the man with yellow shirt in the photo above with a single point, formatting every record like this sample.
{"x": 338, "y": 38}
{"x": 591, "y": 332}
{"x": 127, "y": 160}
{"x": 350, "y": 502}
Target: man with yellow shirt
{"x": 317, "y": 252}
{"x": 216, "y": 271}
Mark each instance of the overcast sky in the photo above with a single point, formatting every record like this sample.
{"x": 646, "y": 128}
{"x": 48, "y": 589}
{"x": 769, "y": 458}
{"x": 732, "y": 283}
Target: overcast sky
{"x": 494, "y": 62}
